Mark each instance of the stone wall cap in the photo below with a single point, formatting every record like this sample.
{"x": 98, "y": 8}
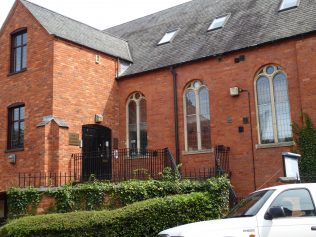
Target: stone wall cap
{"x": 47, "y": 119}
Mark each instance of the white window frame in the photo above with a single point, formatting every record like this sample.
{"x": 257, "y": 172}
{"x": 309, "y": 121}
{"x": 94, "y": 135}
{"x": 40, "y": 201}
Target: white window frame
{"x": 190, "y": 87}
{"x": 263, "y": 72}
{"x": 165, "y": 40}
{"x": 283, "y": 8}
{"x": 211, "y": 26}
{"x": 132, "y": 97}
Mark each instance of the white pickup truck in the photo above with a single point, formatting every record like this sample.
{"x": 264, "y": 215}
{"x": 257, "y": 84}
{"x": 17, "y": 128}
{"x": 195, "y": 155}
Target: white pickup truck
{"x": 286, "y": 210}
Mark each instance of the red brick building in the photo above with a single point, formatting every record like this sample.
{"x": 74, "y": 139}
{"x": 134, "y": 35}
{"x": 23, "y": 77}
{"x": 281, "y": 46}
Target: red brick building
{"x": 198, "y": 75}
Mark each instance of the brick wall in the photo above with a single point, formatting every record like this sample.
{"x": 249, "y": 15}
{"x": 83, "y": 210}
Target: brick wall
{"x": 63, "y": 79}
{"x": 82, "y": 88}
{"x": 219, "y": 74}
{"x": 32, "y": 87}
{"x": 306, "y": 69}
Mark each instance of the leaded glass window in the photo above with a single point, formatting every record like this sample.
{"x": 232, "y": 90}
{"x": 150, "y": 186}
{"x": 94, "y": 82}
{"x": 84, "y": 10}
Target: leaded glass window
{"x": 197, "y": 117}
{"x": 132, "y": 124}
{"x": 273, "y": 106}
{"x": 205, "y": 118}
{"x": 137, "y": 121}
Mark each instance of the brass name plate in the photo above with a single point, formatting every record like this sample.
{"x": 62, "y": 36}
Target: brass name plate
{"x": 74, "y": 139}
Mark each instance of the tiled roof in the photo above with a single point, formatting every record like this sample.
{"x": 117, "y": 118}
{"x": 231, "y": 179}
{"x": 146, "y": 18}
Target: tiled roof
{"x": 79, "y": 33}
{"x": 251, "y": 23}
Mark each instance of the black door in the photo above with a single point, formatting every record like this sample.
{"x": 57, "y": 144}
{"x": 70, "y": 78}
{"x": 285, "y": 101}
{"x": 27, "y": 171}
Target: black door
{"x": 3, "y": 208}
{"x": 97, "y": 153}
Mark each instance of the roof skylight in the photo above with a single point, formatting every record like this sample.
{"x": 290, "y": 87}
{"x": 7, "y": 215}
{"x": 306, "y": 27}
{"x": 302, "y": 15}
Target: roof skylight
{"x": 168, "y": 37}
{"x": 288, "y": 4}
{"x": 218, "y": 22}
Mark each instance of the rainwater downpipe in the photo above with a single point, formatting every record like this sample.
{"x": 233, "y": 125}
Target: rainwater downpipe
{"x": 176, "y": 116}
{"x": 252, "y": 141}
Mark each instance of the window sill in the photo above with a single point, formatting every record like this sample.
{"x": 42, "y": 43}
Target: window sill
{"x": 13, "y": 150}
{"x": 14, "y": 73}
{"x": 198, "y": 152}
{"x": 274, "y": 145}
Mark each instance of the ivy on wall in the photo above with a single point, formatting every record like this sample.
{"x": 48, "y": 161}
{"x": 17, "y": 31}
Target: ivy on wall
{"x": 87, "y": 196}
{"x": 105, "y": 195}
{"x": 305, "y": 139}
{"x": 23, "y": 201}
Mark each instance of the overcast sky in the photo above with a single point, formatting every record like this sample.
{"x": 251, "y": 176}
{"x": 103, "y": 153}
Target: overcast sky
{"x": 100, "y": 14}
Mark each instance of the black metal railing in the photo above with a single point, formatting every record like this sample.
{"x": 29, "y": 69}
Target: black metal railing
{"x": 123, "y": 164}
{"x": 221, "y": 166}
{"x": 233, "y": 199}
{"x": 50, "y": 179}
{"x": 222, "y": 160}
{"x": 171, "y": 162}
{"x": 198, "y": 174}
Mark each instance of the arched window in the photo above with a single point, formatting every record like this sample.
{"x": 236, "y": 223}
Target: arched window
{"x": 137, "y": 121}
{"x": 273, "y": 108}
{"x": 197, "y": 117}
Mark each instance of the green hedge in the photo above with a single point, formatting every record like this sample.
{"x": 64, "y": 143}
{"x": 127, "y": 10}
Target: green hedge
{"x": 91, "y": 196}
{"x": 144, "y": 218}
{"x": 134, "y": 190}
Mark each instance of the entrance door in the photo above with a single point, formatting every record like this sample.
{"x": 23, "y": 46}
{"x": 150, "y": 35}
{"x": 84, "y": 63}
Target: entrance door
{"x": 3, "y": 208}
{"x": 97, "y": 153}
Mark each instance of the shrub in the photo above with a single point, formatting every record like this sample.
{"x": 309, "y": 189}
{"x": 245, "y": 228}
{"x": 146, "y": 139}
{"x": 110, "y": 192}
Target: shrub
{"x": 135, "y": 190}
{"x": 305, "y": 139}
{"x": 91, "y": 196}
{"x": 144, "y": 218}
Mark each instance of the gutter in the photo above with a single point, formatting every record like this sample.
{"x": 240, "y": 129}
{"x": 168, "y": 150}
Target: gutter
{"x": 176, "y": 114}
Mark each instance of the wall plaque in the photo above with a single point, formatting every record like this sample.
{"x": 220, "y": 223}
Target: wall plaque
{"x": 74, "y": 139}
